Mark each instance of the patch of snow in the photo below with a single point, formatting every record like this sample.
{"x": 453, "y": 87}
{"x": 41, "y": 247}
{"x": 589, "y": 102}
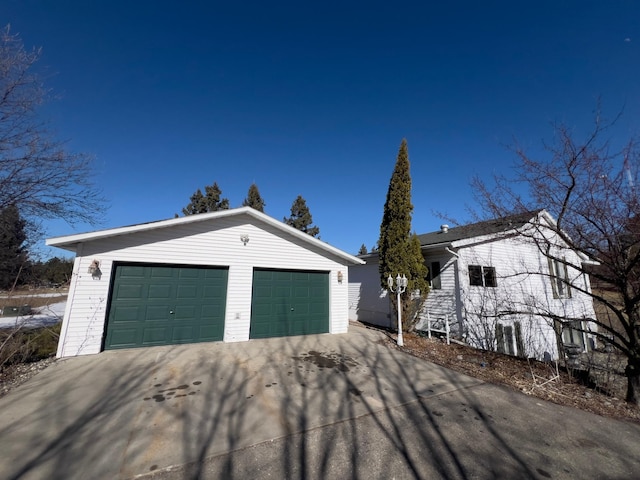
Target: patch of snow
{"x": 61, "y": 293}
{"x": 41, "y": 317}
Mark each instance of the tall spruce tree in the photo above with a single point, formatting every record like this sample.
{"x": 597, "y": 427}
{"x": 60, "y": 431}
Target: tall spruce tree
{"x": 363, "y": 250}
{"x": 301, "y": 218}
{"x": 254, "y": 200}
{"x": 13, "y": 252}
{"x": 398, "y": 250}
{"x": 209, "y": 202}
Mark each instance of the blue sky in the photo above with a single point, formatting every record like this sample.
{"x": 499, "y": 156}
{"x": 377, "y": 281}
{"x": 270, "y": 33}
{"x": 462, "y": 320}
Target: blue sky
{"x": 313, "y": 98}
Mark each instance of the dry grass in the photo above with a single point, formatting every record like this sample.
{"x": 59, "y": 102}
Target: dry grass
{"x": 31, "y": 298}
{"x": 531, "y": 377}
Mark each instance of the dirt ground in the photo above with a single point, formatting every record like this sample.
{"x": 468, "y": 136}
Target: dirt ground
{"x": 531, "y": 377}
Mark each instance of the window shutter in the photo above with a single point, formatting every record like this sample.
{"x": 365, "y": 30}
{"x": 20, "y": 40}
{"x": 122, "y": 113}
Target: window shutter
{"x": 500, "y": 338}
{"x": 519, "y": 341}
{"x": 552, "y": 276}
{"x": 566, "y": 278}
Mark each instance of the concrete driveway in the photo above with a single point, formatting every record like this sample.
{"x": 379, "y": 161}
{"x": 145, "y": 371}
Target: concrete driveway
{"x": 326, "y": 406}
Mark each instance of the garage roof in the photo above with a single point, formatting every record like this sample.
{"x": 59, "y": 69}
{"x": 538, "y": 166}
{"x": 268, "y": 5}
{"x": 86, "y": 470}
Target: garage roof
{"x": 70, "y": 242}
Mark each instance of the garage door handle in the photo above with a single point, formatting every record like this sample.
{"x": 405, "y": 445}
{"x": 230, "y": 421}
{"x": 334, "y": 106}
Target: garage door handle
{"x": 171, "y": 312}
{"x": 292, "y": 309}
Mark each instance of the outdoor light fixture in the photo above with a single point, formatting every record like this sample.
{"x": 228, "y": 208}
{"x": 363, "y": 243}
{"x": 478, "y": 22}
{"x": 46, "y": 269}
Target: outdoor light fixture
{"x": 94, "y": 270}
{"x": 95, "y": 265}
{"x": 340, "y": 277}
{"x": 244, "y": 238}
{"x": 400, "y": 288}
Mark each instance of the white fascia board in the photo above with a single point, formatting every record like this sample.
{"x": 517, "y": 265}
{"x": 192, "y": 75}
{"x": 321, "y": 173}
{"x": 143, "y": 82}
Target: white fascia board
{"x": 433, "y": 246}
{"x": 70, "y": 242}
{"x": 492, "y": 237}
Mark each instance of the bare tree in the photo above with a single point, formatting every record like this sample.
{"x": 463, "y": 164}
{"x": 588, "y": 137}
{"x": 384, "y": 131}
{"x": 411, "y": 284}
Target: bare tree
{"x": 37, "y": 174}
{"x": 589, "y": 187}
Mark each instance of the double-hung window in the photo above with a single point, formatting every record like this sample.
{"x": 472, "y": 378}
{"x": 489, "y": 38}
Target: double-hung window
{"x": 559, "y": 278}
{"x": 481, "y": 276}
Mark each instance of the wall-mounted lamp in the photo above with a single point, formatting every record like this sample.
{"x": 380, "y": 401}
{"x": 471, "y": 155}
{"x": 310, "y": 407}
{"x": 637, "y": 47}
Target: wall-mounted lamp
{"x": 244, "y": 238}
{"x": 94, "y": 270}
{"x": 340, "y": 276}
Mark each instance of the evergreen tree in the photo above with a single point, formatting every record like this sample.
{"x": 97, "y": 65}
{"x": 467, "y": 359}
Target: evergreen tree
{"x": 399, "y": 251}
{"x": 13, "y": 253}
{"x": 301, "y": 218}
{"x": 254, "y": 200}
{"x": 363, "y": 250}
{"x": 209, "y": 202}
{"x": 212, "y": 198}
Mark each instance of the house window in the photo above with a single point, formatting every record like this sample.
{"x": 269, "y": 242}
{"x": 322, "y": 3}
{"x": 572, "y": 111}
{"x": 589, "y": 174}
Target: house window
{"x": 509, "y": 339}
{"x": 572, "y": 333}
{"x": 559, "y": 274}
{"x": 433, "y": 276}
{"x": 482, "y": 276}
{"x": 504, "y": 339}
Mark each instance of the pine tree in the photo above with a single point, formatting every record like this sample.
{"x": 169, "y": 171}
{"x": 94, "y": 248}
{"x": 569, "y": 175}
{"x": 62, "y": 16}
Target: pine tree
{"x": 301, "y": 218}
{"x": 399, "y": 251}
{"x": 196, "y": 204}
{"x": 212, "y": 199}
{"x": 209, "y": 202}
{"x": 13, "y": 253}
{"x": 254, "y": 200}
{"x": 363, "y": 250}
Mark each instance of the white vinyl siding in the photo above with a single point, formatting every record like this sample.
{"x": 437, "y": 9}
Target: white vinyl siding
{"x": 215, "y": 243}
{"x": 368, "y": 301}
{"x": 441, "y": 303}
{"x": 522, "y": 285}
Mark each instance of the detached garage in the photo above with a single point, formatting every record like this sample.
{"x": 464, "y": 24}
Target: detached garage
{"x": 224, "y": 276}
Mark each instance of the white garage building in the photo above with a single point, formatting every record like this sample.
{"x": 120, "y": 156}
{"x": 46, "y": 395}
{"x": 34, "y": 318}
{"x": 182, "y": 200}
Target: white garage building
{"x": 229, "y": 276}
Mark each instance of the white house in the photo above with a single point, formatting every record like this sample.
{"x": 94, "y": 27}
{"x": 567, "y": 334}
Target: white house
{"x": 497, "y": 285}
{"x": 229, "y": 276}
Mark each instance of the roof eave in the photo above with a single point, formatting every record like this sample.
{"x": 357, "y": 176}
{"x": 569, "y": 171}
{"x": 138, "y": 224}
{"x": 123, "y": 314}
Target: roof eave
{"x": 70, "y": 242}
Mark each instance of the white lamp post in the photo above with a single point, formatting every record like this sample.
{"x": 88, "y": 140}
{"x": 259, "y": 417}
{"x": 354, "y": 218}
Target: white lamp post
{"x": 401, "y": 286}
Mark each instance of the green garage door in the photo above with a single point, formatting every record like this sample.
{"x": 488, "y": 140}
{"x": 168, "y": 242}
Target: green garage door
{"x": 162, "y": 305}
{"x": 289, "y": 303}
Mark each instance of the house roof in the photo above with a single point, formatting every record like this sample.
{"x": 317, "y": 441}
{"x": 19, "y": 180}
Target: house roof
{"x": 71, "y": 242}
{"x": 486, "y": 227}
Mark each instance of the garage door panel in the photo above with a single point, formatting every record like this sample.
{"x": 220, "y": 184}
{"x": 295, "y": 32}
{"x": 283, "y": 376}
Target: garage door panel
{"x": 212, "y": 311}
{"x": 160, "y": 272}
{"x": 125, "y": 337}
{"x": 216, "y": 291}
{"x": 154, "y": 335}
{"x": 289, "y": 303}
{"x": 182, "y": 334}
{"x": 188, "y": 273}
{"x": 143, "y": 298}
{"x": 187, "y": 292}
{"x": 133, "y": 291}
{"x": 155, "y": 313}
{"x": 128, "y": 271}
{"x": 186, "y": 312}
{"x": 125, "y": 314}
{"x": 211, "y": 332}
{"x": 301, "y": 292}
{"x": 159, "y": 292}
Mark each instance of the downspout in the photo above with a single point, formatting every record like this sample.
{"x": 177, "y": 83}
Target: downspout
{"x": 458, "y": 299}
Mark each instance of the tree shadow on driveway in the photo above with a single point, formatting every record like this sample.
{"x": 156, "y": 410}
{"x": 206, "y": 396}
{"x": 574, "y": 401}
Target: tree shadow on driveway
{"x": 325, "y": 406}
